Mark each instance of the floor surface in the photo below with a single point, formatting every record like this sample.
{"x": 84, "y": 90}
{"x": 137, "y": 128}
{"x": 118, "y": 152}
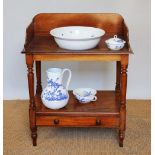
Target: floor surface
{"x": 76, "y": 141}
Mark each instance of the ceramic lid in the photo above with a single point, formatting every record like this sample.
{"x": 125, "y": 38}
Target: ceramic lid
{"x": 115, "y": 40}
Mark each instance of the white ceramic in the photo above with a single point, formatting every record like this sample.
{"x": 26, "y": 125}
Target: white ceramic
{"x": 85, "y": 95}
{"x": 115, "y": 43}
{"x": 55, "y": 96}
{"x": 77, "y": 37}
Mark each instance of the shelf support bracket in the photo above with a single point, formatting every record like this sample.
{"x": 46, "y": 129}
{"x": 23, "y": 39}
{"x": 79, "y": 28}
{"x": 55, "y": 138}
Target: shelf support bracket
{"x": 38, "y": 77}
{"x": 118, "y": 73}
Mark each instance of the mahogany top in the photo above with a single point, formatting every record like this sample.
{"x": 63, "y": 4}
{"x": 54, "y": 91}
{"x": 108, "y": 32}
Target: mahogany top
{"x": 39, "y": 41}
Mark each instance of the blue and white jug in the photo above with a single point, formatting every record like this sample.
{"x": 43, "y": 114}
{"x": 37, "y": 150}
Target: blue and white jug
{"x": 55, "y": 96}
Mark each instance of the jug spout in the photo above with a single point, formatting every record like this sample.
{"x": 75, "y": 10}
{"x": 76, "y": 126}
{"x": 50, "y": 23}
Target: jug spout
{"x": 54, "y": 72}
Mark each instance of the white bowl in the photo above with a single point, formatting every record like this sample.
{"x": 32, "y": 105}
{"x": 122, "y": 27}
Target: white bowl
{"x": 77, "y": 37}
{"x": 85, "y": 95}
{"x": 115, "y": 43}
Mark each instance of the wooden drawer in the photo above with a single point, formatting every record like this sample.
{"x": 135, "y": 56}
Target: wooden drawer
{"x": 77, "y": 121}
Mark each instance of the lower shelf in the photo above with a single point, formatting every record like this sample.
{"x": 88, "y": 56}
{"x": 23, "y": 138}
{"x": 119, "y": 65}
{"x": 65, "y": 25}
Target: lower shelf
{"x": 102, "y": 113}
{"x": 107, "y": 104}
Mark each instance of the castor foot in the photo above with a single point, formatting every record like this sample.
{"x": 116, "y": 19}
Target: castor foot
{"x": 34, "y": 136}
{"x": 121, "y": 138}
{"x": 121, "y": 144}
{"x": 34, "y": 142}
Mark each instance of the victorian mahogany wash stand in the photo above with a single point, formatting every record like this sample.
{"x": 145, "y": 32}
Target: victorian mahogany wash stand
{"x": 109, "y": 110}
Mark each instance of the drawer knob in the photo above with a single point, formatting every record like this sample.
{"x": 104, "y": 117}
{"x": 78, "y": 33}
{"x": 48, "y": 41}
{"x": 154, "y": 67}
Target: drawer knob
{"x": 56, "y": 121}
{"x": 98, "y": 122}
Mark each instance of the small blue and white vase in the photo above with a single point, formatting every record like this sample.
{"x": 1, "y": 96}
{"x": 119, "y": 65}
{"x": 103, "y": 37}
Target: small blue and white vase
{"x": 55, "y": 96}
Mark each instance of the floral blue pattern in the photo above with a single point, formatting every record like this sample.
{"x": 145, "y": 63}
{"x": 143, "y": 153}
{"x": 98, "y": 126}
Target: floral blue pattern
{"x": 87, "y": 94}
{"x": 81, "y": 99}
{"x": 54, "y": 93}
{"x": 119, "y": 40}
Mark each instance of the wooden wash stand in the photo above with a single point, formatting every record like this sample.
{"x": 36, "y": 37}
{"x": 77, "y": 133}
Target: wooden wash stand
{"x": 109, "y": 111}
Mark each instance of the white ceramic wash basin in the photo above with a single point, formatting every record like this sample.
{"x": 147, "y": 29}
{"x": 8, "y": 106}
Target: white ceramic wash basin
{"x": 77, "y": 37}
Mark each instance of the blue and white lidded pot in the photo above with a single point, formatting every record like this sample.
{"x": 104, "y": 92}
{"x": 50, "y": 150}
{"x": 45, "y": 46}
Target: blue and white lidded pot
{"x": 115, "y": 43}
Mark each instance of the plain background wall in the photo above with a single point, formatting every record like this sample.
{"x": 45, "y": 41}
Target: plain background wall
{"x": 99, "y": 75}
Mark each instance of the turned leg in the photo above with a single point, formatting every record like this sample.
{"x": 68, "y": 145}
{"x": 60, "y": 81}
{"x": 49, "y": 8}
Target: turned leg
{"x": 118, "y": 73}
{"x": 123, "y": 86}
{"x": 38, "y": 76}
{"x": 32, "y": 108}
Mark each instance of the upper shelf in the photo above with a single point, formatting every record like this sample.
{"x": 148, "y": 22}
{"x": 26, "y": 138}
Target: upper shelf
{"x": 39, "y": 41}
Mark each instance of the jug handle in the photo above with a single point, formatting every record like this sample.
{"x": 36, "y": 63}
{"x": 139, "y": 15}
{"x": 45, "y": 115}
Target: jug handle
{"x": 69, "y": 78}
